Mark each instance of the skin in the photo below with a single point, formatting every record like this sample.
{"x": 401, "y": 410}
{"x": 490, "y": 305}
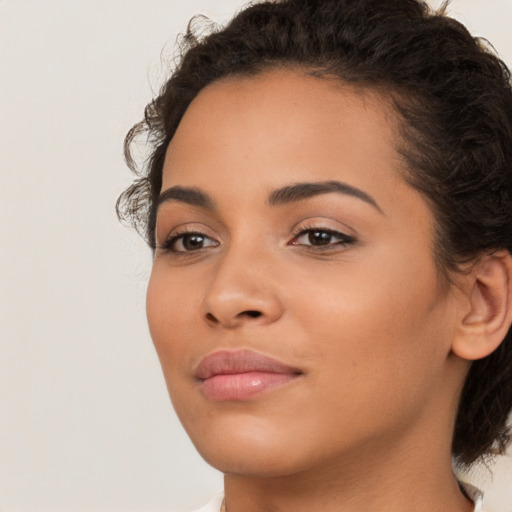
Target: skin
{"x": 369, "y": 323}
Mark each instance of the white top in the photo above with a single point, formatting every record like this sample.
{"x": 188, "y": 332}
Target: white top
{"x": 472, "y": 492}
{"x": 214, "y": 505}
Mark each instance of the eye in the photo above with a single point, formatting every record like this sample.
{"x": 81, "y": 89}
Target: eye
{"x": 321, "y": 238}
{"x": 188, "y": 242}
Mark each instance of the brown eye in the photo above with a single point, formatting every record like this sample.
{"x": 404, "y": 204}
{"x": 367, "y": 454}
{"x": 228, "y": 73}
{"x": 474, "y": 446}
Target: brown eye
{"x": 192, "y": 242}
{"x": 322, "y": 238}
{"x": 189, "y": 242}
{"x": 319, "y": 237}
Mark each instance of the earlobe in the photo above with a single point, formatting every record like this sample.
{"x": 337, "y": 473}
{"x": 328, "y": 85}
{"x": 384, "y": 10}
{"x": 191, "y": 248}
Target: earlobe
{"x": 488, "y": 307}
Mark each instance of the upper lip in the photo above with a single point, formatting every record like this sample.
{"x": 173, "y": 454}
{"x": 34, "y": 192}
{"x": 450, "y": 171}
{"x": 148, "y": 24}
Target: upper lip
{"x": 230, "y": 362}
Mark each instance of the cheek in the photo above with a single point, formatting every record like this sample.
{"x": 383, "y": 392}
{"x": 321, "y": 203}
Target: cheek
{"x": 379, "y": 325}
{"x": 168, "y": 315}
{"x": 170, "y": 322}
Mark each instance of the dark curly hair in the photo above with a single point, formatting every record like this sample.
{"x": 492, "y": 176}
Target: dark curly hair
{"x": 454, "y": 100}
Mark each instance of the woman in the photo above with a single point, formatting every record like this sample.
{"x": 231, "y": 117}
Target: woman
{"x": 328, "y": 202}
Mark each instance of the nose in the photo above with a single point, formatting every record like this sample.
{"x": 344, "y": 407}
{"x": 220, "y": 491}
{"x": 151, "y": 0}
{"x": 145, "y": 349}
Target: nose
{"x": 242, "y": 291}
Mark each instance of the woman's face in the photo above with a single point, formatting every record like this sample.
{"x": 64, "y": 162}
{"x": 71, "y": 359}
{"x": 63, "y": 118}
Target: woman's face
{"x": 286, "y": 231}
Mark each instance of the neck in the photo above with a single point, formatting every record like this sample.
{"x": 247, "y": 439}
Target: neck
{"x": 401, "y": 477}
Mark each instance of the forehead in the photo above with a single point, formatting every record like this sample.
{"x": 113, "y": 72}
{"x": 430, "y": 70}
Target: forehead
{"x": 285, "y": 126}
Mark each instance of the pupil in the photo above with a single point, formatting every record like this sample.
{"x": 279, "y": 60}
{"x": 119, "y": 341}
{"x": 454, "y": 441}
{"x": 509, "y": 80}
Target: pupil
{"x": 319, "y": 238}
{"x": 192, "y": 242}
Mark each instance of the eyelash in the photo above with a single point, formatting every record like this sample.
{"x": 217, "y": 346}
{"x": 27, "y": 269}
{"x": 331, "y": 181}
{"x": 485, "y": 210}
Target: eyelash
{"x": 169, "y": 243}
{"x": 344, "y": 240}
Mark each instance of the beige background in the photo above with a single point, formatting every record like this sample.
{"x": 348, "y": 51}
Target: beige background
{"x": 85, "y": 422}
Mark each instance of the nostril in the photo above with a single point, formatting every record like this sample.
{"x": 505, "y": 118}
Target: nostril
{"x": 211, "y": 318}
{"x": 243, "y": 315}
{"x": 251, "y": 313}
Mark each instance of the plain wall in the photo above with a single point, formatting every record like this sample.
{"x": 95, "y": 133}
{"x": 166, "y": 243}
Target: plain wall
{"x": 85, "y": 421}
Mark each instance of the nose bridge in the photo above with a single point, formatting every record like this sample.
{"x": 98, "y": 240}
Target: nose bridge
{"x": 242, "y": 288}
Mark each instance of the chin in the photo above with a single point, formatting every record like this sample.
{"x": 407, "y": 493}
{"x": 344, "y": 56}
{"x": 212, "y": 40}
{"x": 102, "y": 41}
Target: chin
{"x": 249, "y": 449}
{"x": 245, "y": 461}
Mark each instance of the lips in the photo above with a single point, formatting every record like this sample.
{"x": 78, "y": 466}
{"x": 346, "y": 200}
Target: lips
{"x": 241, "y": 374}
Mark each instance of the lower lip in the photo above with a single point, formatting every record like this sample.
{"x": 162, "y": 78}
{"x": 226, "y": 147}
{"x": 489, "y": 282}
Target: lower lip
{"x": 242, "y": 386}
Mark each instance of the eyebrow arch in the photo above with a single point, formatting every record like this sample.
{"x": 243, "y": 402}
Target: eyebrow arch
{"x": 302, "y": 191}
{"x": 188, "y": 195}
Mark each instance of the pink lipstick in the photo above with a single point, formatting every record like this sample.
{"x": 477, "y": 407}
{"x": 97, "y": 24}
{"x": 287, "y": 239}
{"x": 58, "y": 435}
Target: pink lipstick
{"x": 240, "y": 374}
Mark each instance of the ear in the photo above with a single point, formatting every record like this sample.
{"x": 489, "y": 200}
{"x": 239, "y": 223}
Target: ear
{"x": 486, "y": 308}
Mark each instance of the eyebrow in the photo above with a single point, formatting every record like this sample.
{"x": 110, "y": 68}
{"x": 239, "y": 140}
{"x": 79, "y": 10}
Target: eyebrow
{"x": 302, "y": 191}
{"x": 188, "y": 195}
{"x": 281, "y": 196}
